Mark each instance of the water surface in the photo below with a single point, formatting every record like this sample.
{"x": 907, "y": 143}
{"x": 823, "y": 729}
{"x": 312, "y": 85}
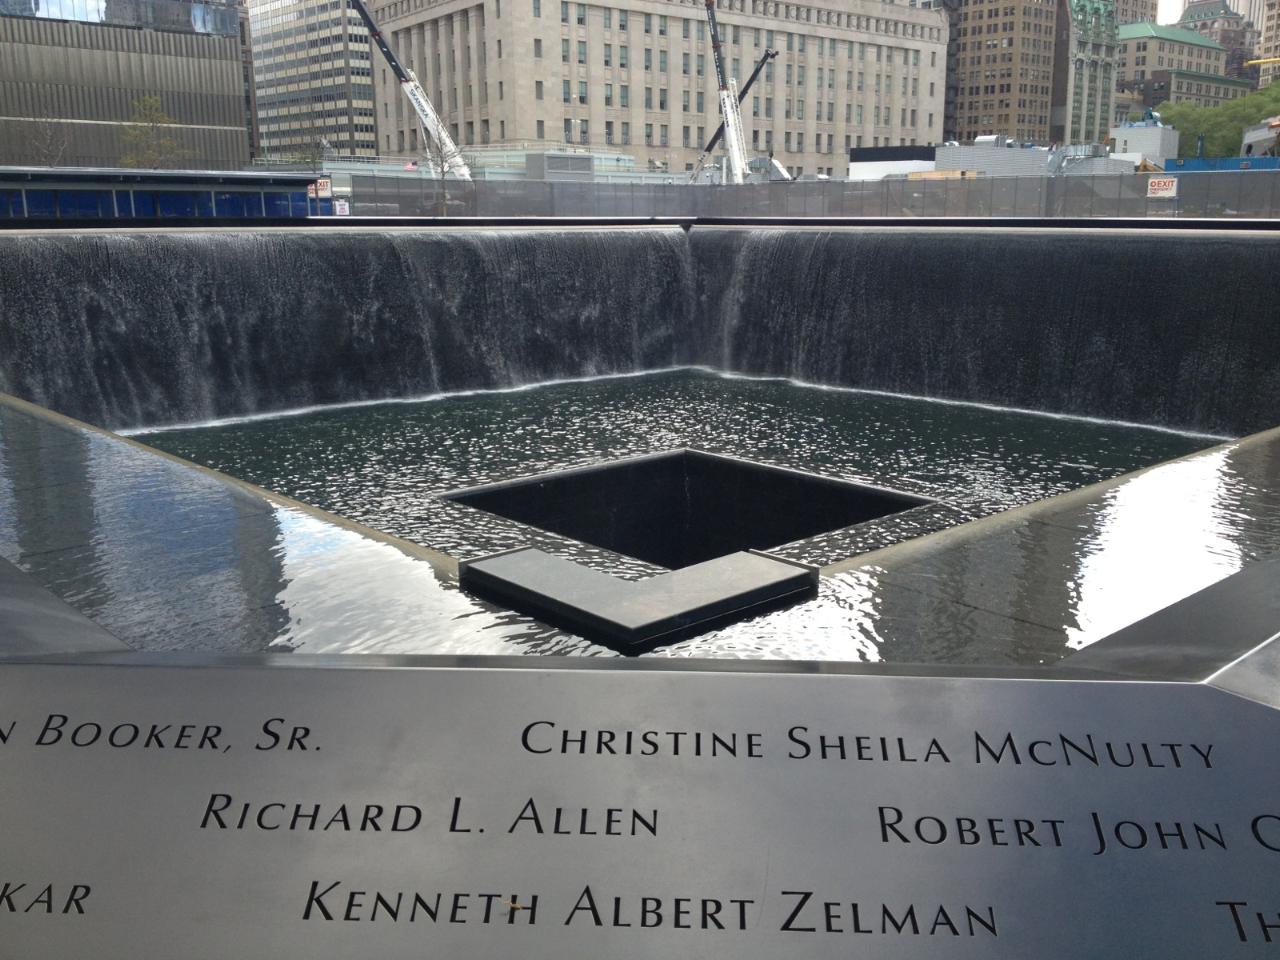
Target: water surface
{"x": 384, "y": 465}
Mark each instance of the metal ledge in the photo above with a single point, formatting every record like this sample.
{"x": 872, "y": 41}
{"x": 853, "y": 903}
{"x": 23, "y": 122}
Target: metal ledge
{"x": 635, "y": 616}
{"x": 1185, "y": 224}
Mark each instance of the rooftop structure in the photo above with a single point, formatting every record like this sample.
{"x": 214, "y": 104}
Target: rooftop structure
{"x": 1253, "y": 11}
{"x": 1178, "y": 35}
{"x": 1216, "y": 20}
{"x": 1145, "y": 141}
{"x": 967, "y": 162}
{"x": 1126, "y": 105}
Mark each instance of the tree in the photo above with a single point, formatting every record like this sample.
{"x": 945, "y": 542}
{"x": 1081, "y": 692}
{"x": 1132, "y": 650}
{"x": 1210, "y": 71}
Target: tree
{"x": 147, "y": 140}
{"x": 49, "y": 143}
{"x": 1223, "y": 126}
{"x": 314, "y": 149}
{"x": 311, "y": 153}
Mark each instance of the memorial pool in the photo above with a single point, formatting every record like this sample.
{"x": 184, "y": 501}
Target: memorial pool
{"x": 385, "y": 465}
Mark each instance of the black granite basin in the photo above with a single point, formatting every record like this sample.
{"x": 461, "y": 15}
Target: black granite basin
{"x": 684, "y": 507}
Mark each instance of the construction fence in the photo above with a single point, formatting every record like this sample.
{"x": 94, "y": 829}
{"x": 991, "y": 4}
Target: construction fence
{"x": 1233, "y": 194}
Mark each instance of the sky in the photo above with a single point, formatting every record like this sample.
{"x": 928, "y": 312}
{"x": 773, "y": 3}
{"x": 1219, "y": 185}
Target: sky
{"x": 1169, "y": 11}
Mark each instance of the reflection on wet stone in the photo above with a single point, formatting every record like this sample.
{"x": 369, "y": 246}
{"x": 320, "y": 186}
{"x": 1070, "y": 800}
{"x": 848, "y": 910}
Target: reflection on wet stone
{"x": 167, "y": 558}
{"x": 953, "y": 605}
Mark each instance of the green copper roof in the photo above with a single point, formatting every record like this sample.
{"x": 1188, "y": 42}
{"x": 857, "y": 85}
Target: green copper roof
{"x": 1140, "y": 31}
{"x": 1209, "y": 78}
{"x": 1206, "y": 10}
{"x": 1104, "y": 11}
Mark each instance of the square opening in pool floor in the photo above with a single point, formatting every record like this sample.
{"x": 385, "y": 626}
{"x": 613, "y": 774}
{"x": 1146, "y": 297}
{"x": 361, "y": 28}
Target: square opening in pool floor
{"x": 683, "y": 507}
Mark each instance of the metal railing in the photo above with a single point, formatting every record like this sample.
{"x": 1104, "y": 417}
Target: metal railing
{"x": 1236, "y": 194}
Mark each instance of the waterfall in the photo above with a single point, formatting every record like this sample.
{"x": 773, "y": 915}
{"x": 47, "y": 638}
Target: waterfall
{"x": 1159, "y": 328}
{"x": 128, "y": 329}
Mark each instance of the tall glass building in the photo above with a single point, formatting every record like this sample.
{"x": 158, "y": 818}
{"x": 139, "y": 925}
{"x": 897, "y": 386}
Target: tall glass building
{"x": 181, "y": 15}
{"x": 74, "y": 75}
{"x": 312, "y": 79}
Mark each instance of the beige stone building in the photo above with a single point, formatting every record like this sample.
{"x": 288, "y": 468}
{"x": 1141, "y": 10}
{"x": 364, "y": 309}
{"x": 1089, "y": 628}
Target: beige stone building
{"x": 1270, "y": 45}
{"x": 638, "y": 76}
{"x": 1168, "y": 64}
{"x": 1216, "y": 20}
{"x": 1136, "y": 11}
{"x": 1004, "y": 69}
{"x": 311, "y": 67}
{"x": 1126, "y": 106}
{"x": 1145, "y": 48}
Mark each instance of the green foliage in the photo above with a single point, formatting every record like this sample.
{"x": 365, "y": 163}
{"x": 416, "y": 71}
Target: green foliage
{"x": 147, "y": 141}
{"x": 1223, "y": 126}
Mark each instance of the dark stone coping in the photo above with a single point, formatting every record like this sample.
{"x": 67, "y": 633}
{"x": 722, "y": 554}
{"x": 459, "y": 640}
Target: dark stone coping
{"x": 33, "y": 620}
{"x": 1188, "y": 224}
{"x": 1209, "y": 633}
{"x": 1226, "y": 636}
{"x": 635, "y": 616}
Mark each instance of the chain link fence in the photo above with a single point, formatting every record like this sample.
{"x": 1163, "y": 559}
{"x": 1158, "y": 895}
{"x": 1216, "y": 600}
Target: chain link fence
{"x": 1234, "y": 194}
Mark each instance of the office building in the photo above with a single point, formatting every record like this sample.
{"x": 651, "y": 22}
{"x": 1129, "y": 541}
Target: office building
{"x": 1167, "y": 64}
{"x": 1269, "y": 45}
{"x": 639, "y": 76}
{"x": 1084, "y": 71}
{"x": 1002, "y": 61}
{"x": 1126, "y": 106}
{"x": 1252, "y": 11}
{"x": 1136, "y": 11}
{"x": 311, "y": 68}
{"x": 73, "y": 77}
{"x": 1216, "y": 20}
{"x": 246, "y": 71}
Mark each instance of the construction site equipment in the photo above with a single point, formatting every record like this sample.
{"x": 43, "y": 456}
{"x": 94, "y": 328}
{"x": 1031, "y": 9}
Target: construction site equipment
{"x": 731, "y": 117}
{"x": 719, "y": 131}
{"x": 450, "y": 157}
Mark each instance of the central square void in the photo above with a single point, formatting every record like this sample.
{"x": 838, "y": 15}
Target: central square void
{"x": 683, "y": 507}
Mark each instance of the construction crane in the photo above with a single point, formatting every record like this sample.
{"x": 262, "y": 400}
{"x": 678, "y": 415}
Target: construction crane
{"x": 742, "y": 95}
{"x": 450, "y": 157}
{"x": 1264, "y": 60}
{"x": 732, "y": 118}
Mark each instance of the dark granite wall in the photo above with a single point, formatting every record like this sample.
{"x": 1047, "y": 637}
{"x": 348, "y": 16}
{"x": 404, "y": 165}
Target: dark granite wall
{"x": 1175, "y": 330}
{"x": 132, "y": 329}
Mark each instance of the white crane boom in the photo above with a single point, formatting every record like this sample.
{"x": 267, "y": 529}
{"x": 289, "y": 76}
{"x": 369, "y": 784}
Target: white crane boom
{"x": 450, "y": 156}
{"x": 734, "y": 142}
